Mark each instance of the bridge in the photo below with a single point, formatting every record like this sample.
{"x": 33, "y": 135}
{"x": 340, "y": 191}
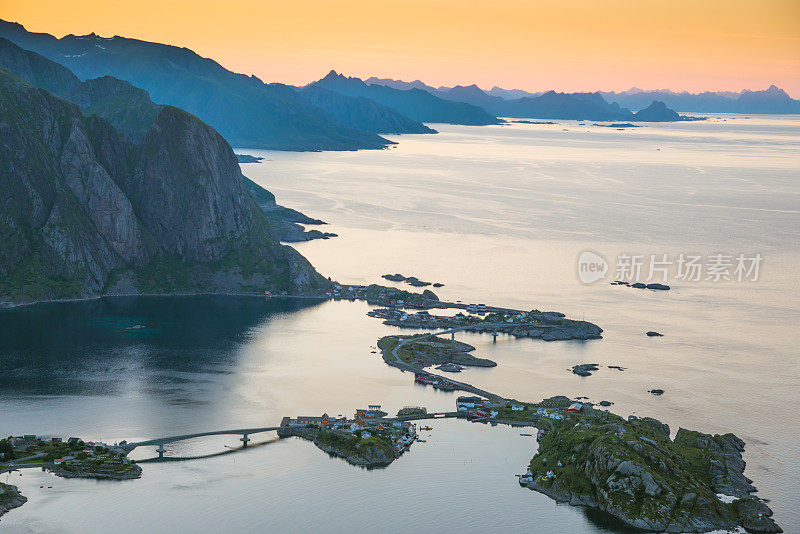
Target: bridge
{"x": 244, "y": 432}
{"x": 494, "y": 328}
{"x": 463, "y": 386}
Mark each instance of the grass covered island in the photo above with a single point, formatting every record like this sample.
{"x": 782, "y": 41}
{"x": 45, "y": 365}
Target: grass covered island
{"x": 631, "y": 469}
{"x": 10, "y": 498}
{"x": 433, "y": 350}
{"x": 72, "y": 458}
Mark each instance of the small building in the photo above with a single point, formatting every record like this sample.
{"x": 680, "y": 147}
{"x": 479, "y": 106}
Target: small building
{"x": 464, "y": 403}
{"x": 575, "y": 407}
{"x": 517, "y": 407}
{"x": 373, "y": 411}
{"x": 59, "y": 461}
{"x": 55, "y": 440}
{"x": 311, "y": 420}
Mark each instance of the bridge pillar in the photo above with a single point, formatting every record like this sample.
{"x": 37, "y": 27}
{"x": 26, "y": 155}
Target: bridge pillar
{"x": 452, "y": 335}
{"x": 494, "y": 336}
{"x": 161, "y": 450}
{"x": 244, "y": 439}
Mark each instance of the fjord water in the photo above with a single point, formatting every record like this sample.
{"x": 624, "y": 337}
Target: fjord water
{"x": 498, "y": 214}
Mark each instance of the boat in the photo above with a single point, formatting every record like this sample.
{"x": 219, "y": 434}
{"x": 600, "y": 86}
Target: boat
{"x": 526, "y": 434}
{"x": 425, "y": 428}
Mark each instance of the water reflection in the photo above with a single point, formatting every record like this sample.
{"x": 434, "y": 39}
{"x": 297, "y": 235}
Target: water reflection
{"x": 106, "y": 347}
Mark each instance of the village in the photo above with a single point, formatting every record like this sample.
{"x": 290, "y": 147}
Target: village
{"x": 369, "y": 438}
{"x": 70, "y": 458}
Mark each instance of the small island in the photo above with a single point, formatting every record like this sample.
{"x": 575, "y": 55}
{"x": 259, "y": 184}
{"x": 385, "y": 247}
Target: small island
{"x": 423, "y": 351}
{"x": 247, "y": 158}
{"x": 10, "y": 498}
{"x": 367, "y": 440}
{"x": 70, "y": 458}
{"x": 631, "y": 469}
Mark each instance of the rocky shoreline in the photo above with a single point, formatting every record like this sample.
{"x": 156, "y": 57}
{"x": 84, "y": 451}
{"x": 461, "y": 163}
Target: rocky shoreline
{"x": 10, "y": 498}
{"x": 632, "y": 470}
{"x": 369, "y": 457}
{"x": 131, "y": 472}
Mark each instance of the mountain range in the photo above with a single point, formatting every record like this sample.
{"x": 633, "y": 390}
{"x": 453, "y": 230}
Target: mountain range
{"x": 88, "y": 210}
{"x": 245, "y": 110}
{"x": 417, "y": 104}
{"x": 362, "y": 113}
{"x": 548, "y": 105}
{"x": 770, "y": 101}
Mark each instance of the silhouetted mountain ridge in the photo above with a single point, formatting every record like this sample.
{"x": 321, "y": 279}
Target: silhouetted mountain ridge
{"x": 414, "y": 103}
{"x": 246, "y": 111}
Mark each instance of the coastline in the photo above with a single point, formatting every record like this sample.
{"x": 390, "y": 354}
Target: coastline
{"x": 10, "y": 498}
{"x": 16, "y": 305}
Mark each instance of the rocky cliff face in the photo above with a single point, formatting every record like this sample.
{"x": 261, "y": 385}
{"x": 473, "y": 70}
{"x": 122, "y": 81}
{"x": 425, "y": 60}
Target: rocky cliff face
{"x": 86, "y": 212}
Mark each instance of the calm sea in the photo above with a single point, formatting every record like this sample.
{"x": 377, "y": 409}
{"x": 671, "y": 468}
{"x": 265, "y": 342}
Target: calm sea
{"x": 499, "y": 215}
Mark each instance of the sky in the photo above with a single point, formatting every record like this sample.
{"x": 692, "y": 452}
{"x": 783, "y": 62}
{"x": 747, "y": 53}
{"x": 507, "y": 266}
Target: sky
{"x": 566, "y": 45}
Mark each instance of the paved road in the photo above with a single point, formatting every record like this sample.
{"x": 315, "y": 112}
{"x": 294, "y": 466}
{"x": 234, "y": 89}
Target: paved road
{"x": 463, "y": 386}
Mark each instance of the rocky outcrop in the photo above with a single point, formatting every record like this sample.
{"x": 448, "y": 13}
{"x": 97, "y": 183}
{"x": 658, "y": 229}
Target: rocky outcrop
{"x": 633, "y": 471}
{"x": 10, "y": 498}
{"x": 656, "y": 112}
{"x": 584, "y": 369}
{"x": 130, "y": 471}
{"x": 86, "y": 212}
{"x": 369, "y": 456}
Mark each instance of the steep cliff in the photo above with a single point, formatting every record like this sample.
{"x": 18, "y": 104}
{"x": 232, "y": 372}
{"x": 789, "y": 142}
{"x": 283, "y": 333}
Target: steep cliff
{"x": 86, "y": 212}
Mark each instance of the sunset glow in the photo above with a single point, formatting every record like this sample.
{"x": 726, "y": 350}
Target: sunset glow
{"x": 570, "y": 45}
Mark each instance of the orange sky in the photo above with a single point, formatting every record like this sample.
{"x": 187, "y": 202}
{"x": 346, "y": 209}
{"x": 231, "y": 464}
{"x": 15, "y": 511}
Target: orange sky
{"x": 566, "y": 45}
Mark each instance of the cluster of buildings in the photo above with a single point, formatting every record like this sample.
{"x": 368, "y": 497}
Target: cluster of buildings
{"x": 378, "y": 295}
{"x": 21, "y": 443}
{"x": 365, "y": 422}
{"x": 438, "y": 382}
{"x": 478, "y": 407}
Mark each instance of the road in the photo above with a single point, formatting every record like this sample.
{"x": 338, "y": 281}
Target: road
{"x": 463, "y": 386}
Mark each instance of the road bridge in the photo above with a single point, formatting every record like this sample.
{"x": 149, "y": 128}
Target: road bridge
{"x": 244, "y": 432}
